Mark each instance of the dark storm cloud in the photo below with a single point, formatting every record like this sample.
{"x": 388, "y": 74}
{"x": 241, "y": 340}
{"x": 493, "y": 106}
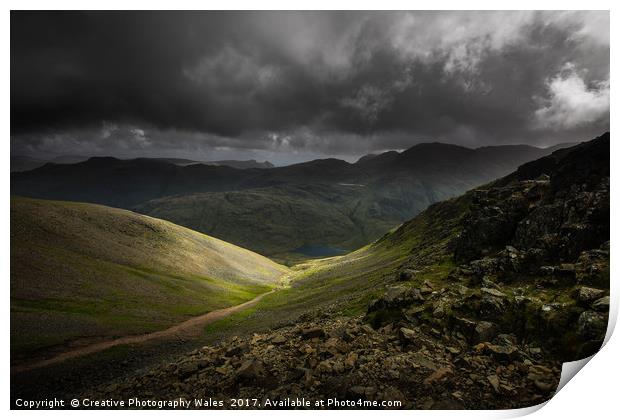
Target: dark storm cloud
{"x": 313, "y": 82}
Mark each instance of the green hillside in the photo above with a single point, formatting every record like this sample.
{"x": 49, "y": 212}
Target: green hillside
{"x": 280, "y": 219}
{"x": 82, "y": 270}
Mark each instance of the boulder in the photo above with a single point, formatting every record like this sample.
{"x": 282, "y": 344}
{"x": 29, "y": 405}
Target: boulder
{"x": 493, "y": 292}
{"x": 312, "y": 332}
{"x": 251, "y": 369}
{"x": 188, "y": 368}
{"x": 588, "y": 294}
{"x": 494, "y": 381}
{"x": 601, "y": 305}
{"x": 406, "y": 275}
{"x": 485, "y": 331}
{"x": 592, "y": 325}
{"x": 237, "y": 350}
{"x": 396, "y": 297}
{"x": 484, "y": 266}
{"x": 592, "y": 268}
{"x": 279, "y": 339}
{"x": 498, "y": 351}
{"x": 407, "y": 334}
{"x": 438, "y": 375}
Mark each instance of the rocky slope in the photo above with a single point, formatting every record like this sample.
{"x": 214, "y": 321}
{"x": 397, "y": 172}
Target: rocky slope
{"x": 528, "y": 288}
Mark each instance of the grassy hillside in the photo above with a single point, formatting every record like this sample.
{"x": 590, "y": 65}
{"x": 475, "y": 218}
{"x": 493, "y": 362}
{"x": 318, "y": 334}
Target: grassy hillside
{"x": 346, "y": 284}
{"x": 82, "y": 270}
{"x": 279, "y": 219}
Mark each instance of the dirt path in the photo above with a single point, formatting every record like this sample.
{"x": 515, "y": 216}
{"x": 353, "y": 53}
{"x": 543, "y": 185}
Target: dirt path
{"x": 187, "y": 329}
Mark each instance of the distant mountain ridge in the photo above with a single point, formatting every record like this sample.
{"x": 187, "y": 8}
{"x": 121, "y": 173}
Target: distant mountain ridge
{"x": 21, "y": 163}
{"x": 277, "y": 210}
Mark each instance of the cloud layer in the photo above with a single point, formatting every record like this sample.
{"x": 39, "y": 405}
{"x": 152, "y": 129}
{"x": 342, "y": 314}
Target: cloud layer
{"x": 303, "y": 83}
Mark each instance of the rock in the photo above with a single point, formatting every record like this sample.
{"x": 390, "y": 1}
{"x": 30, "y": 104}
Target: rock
{"x": 411, "y": 314}
{"x": 237, "y": 350}
{"x": 539, "y": 373}
{"x": 592, "y": 325}
{"x": 566, "y": 270}
{"x": 419, "y": 359}
{"x": 406, "y": 275}
{"x": 440, "y": 307}
{"x": 389, "y": 308}
{"x": 335, "y": 346}
{"x": 484, "y": 266}
{"x": 465, "y": 326}
{"x": 351, "y": 360}
{"x": 407, "y": 335}
{"x": 367, "y": 329}
{"x": 602, "y": 304}
{"x": 223, "y": 370}
{"x": 357, "y": 390}
{"x": 396, "y": 297}
{"x": 493, "y": 292}
{"x": 588, "y": 294}
{"x": 492, "y": 306}
{"x": 251, "y": 369}
{"x": 370, "y": 392}
{"x": 325, "y": 367}
{"x": 592, "y": 268}
{"x": 499, "y": 351}
{"x": 543, "y": 386}
{"x": 546, "y": 270}
{"x": 494, "y": 381}
{"x": 425, "y": 290}
{"x": 188, "y": 369}
{"x": 438, "y": 375}
{"x": 485, "y": 331}
{"x": 312, "y": 332}
{"x": 296, "y": 374}
{"x": 279, "y": 339}
{"x": 462, "y": 289}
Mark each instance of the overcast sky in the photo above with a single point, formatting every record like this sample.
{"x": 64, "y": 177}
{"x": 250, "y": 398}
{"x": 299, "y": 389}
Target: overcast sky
{"x": 292, "y": 86}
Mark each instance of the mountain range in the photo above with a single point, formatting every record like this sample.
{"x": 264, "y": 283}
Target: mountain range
{"x": 22, "y": 163}
{"x": 325, "y": 204}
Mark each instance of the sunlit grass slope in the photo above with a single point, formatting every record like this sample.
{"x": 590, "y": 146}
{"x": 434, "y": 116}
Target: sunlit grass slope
{"x": 349, "y": 282}
{"x": 82, "y": 270}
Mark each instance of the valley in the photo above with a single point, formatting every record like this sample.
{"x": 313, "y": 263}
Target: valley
{"x": 473, "y": 303}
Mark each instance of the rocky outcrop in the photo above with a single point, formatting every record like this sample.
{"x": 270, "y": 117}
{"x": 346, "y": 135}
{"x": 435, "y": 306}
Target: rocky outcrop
{"x": 561, "y": 211}
{"x": 533, "y": 260}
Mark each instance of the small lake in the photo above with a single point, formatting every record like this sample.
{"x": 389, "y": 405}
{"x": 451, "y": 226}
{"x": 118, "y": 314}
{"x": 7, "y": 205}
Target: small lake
{"x": 320, "y": 251}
